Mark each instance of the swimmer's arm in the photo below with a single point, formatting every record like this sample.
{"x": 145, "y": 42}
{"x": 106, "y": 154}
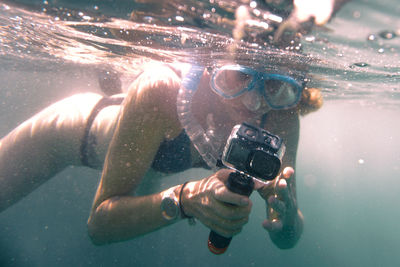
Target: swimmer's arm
{"x": 292, "y": 227}
{"x": 148, "y": 115}
{"x": 286, "y": 125}
{"x": 320, "y": 11}
{"x": 125, "y": 217}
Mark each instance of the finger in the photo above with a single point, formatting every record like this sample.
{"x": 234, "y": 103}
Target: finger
{"x": 277, "y": 205}
{"x": 230, "y": 212}
{"x": 231, "y": 225}
{"x": 272, "y": 225}
{"x": 223, "y": 194}
{"x": 223, "y": 231}
{"x": 287, "y": 172}
{"x": 270, "y": 186}
{"x": 261, "y": 184}
{"x": 225, "y": 228}
{"x": 223, "y": 174}
{"x": 267, "y": 188}
{"x": 282, "y": 190}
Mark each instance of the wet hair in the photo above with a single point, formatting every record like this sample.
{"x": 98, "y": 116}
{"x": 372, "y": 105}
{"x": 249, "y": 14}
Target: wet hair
{"x": 311, "y": 100}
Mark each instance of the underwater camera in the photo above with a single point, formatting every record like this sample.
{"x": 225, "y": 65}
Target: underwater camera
{"x": 254, "y": 152}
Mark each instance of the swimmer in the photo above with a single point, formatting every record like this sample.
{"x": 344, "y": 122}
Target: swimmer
{"x": 149, "y": 118}
{"x": 126, "y": 135}
{"x": 132, "y": 133}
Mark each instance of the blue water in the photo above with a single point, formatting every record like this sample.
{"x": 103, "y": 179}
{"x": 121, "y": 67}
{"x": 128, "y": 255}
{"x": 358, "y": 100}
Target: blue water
{"x": 347, "y": 169}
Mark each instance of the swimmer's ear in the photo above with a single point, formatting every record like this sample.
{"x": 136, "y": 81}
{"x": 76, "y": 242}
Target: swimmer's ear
{"x": 311, "y": 100}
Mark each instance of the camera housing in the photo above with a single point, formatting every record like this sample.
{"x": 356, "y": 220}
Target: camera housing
{"x": 254, "y": 151}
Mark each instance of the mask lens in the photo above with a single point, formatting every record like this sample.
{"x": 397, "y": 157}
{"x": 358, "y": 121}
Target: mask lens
{"x": 230, "y": 82}
{"x": 281, "y": 93}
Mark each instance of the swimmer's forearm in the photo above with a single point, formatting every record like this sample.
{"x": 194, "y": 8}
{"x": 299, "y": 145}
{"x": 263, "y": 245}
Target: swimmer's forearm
{"x": 126, "y": 217}
{"x": 290, "y": 234}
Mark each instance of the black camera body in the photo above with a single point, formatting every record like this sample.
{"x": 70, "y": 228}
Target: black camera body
{"x": 254, "y": 151}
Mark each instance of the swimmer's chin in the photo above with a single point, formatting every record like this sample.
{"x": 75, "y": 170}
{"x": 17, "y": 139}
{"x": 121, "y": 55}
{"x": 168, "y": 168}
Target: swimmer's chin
{"x": 246, "y": 115}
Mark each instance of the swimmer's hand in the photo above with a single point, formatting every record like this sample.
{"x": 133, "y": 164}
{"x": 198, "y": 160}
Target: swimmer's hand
{"x": 284, "y": 220}
{"x": 211, "y": 202}
{"x": 320, "y": 11}
{"x": 305, "y": 15}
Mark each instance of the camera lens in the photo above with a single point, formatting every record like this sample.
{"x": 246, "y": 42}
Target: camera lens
{"x": 264, "y": 165}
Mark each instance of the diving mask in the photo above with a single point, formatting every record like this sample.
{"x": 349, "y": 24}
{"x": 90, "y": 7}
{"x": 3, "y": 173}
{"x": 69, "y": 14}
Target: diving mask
{"x": 279, "y": 91}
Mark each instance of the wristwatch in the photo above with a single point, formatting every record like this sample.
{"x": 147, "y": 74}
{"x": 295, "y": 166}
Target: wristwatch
{"x": 170, "y": 209}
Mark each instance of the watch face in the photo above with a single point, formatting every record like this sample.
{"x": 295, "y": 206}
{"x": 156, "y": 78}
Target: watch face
{"x": 169, "y": 208}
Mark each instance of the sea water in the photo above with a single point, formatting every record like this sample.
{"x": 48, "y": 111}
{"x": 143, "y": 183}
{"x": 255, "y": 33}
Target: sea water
{"x": 348, "y": 159}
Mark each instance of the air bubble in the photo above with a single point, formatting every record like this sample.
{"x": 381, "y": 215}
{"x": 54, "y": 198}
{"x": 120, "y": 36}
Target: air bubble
{"x": 361, "y": 64}
{"x": 310, "y": 39}
{"x": 371, "y": 37}
{"x": 179, "y": 18}
{"x": 148, "y": 19}
{"x": 388, "y": 35}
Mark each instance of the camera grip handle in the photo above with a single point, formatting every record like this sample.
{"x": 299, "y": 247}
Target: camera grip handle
{"x": 240, "y": 184}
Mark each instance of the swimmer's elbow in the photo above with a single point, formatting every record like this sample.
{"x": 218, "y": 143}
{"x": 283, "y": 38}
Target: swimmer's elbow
{"x": 99, "y": 227}
{"x": 96, "y": 234}
{"x": 105, "y": 224}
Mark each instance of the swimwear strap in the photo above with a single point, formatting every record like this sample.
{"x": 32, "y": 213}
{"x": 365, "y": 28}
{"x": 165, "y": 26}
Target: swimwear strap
{"x": 86, "y": 143}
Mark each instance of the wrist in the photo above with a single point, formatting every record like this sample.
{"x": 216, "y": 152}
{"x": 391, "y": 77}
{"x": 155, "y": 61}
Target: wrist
{"x": 169, "y": 205}
{"x": 183, "y": 193}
